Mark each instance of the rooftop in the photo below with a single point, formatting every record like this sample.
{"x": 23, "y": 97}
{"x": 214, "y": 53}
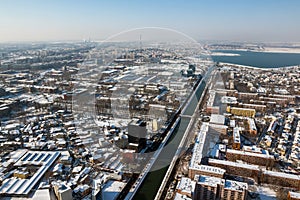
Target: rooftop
{"x": 217, "y": 119}
{"x": 210, "y": 181}
{"x": 264, "y": 154}
{"x": 211, "y": 169}
{"x": 235, "y": 185}
{"x": 181, "y": 197}
{"x": 234, "y": 164}
{"x": 295, "y": 195}
{"x": 282, "y": 174}
{"x": 236, "y": 135}
{"x": 112, "y": 189}
{"x": 198, "y": 147}
{"x": 17, "y": 186}
{"x": 186, "y": 185}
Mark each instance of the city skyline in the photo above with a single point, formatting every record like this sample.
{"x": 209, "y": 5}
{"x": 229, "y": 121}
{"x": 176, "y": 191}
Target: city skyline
{"x": 255, "y": 21}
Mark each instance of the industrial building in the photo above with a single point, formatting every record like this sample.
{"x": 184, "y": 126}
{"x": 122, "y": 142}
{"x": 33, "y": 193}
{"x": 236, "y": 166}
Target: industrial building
{"x": 37, "y": 163}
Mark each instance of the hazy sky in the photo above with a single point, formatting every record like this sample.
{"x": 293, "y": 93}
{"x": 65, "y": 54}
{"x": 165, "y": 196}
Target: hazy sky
{"x": 239, "y": 20}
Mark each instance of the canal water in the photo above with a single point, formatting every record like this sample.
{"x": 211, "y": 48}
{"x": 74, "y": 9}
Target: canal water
{"x": 154, "y": 178}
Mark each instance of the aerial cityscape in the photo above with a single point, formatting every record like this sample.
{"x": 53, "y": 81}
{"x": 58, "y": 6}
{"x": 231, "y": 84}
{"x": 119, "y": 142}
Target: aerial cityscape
{"x": 149, "y": 100}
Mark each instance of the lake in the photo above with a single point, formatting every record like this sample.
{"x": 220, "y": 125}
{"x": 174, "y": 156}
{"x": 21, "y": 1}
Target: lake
{"x": 257, "y": 59}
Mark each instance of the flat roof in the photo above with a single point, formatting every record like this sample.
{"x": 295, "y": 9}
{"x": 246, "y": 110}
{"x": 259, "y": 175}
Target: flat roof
{"x": 186, "y": 184}
{"x": 217, "y": 119}
{"x": 198, "y": 147}
{"x": 237, "y": 108}
{"x": 211, "y": 169}
{"x": 42, "y": 194}
{"x": 235, "y": 185}
{"x": 229, "y": 100}
{"x": 252, "y": 123}
{"x": 294, "y": 194}
{"x": 210, "y": 181}
{"x": 252, "y": 154}
{"x": 234, "y": 164}
{"x": 236, "y": 135}
{"x": 181, "y": 197}
{"x": 17, "y": 186}
{"x": 112, "y": 189}
{"x": 282, "y": 175}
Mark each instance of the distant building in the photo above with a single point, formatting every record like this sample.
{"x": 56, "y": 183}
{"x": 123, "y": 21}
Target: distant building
{"x": 4, "y": 111}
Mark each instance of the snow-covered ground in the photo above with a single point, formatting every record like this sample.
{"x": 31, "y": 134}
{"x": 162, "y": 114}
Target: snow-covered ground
{"x": 266, "y": 193}
{"x": 279, "y": 50}
{"x": 224, "y": 54}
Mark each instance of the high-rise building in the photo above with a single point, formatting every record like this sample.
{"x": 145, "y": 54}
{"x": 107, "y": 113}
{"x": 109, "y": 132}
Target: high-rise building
{"x": 136, "y": 130}
{"x": 137, "y": 133}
